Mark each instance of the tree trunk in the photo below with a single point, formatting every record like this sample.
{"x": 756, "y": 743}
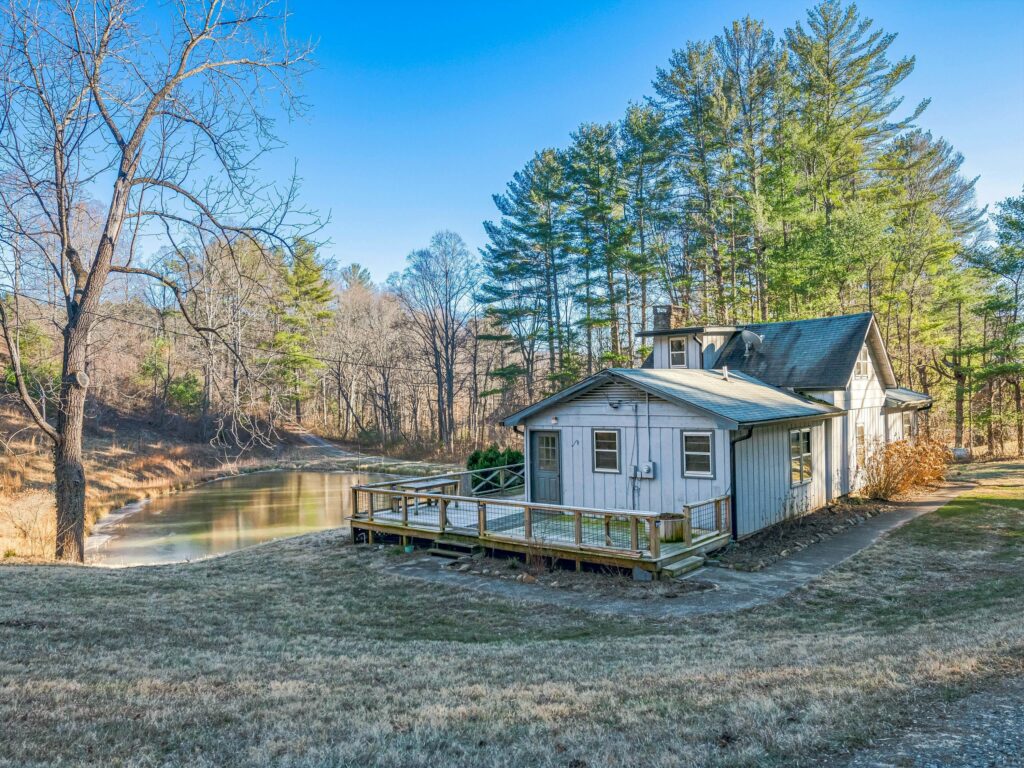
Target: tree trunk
{"x": 68, "y": 470}
{"x": 1020, "y": 417}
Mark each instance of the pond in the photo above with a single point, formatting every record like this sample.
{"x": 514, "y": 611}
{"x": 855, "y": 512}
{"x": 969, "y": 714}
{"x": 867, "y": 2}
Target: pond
{"x": 222, "y": 516}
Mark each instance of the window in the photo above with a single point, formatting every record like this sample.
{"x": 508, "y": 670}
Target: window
{"x": 547, "y": 452}
{"x": 908, "y": 426}
{"x": 606, "y": 450}
{"x": 801, "y": 467}
{"x": 862, "y": 446}
{"x": 698, "y": 454}
{"x": 677, "y": 352}
{"x": 862, "y": 368}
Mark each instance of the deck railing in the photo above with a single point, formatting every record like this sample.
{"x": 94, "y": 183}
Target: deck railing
{"x": 548, "y": 526}
{"x": 490, "y": 481}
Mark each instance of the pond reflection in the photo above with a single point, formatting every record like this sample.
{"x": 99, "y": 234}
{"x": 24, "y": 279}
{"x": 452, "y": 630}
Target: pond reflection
{"x": 223, "y": 516}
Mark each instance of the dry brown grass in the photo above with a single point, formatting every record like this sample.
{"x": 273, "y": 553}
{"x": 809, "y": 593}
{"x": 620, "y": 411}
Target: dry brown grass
{"x": 896, "y": 469}
{"x": 120, "y": 468}
{"x": 311, "y": 652}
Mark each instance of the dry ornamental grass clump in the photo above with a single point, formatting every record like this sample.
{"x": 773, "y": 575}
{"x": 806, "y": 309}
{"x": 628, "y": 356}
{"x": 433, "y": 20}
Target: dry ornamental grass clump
{"x": 898, "y": 468}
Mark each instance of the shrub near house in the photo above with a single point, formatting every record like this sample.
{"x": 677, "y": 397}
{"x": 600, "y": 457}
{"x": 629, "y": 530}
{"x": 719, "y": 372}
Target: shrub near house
{"x": 487, "y": 459}
{"x": 898, "y": 468}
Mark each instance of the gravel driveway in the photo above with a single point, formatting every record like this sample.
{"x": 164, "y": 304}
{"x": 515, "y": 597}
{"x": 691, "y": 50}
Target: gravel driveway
{"x": 983, "y": 730}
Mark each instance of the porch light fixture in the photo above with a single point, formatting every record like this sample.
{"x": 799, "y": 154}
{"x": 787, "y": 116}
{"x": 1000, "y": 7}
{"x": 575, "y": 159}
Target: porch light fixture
{"x": 554, "y": 419}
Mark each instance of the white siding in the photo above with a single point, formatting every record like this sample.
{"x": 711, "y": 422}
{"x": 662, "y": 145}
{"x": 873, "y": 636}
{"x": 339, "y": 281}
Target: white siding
{"x": 658, "y": 440}
{"x": 865, "y": 399}
{"x": 764, "y": 494}
{"x": 699, "y": 353}
{"x": 661, "y": 351}
{"x": 713, "y": 343}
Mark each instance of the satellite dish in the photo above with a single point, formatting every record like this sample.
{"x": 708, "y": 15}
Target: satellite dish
{"x": 752, "y": 341}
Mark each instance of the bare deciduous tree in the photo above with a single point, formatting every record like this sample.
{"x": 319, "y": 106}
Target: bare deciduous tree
{"x": 436, "y": 290}
{"x": 153, "y": 118}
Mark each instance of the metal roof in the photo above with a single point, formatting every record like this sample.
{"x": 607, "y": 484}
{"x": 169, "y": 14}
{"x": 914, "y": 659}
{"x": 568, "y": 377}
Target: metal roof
{"x": 901, "y": 397}
{"x": 739, "y": 400}
{"x": 808, "y": 354}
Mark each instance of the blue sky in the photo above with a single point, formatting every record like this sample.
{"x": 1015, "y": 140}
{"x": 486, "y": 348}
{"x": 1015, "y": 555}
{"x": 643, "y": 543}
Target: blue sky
{"x": 421, "y": 111}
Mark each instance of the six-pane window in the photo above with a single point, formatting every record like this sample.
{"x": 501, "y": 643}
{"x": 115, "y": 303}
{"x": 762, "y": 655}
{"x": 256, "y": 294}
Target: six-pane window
{"x": 800, "y": 466}
{"x": 862, "y": 368}
{"x": 547, "y": 452}
{"x": 698, "y": 456}
{"x": 606, "y": 450}
{"x": 677, "y": 353}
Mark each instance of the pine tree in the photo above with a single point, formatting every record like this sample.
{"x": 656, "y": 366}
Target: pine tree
{"x": 599, "y": 237}
{"x": 690, "y": 91}
{"x": 305, "y": 304}
{"x": 646, "y": 174}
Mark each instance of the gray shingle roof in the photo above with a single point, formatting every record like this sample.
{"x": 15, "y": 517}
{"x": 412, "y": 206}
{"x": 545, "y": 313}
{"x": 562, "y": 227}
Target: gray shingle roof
{"x": 742, "y": 399}
{"x": 803, "y": 354}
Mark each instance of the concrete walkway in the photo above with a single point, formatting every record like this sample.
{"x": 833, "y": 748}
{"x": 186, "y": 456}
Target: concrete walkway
{"x": 732, "y": 590}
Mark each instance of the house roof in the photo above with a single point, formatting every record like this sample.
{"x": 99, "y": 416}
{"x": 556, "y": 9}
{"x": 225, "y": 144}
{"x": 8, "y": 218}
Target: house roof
{"x": 738, "y": 400}
{"x": 690, "y": 329}
{"x": 906, "y": 399}
{"x": 808, "y": 354}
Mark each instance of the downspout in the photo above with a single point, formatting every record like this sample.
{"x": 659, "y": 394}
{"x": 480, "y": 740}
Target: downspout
{"x": 732, "y": 478}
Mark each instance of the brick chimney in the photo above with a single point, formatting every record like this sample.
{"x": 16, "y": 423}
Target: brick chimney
{"x": 665, "y": 317}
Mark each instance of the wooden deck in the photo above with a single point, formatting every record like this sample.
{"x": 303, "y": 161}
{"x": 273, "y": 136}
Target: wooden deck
{"x": 432, "y": 508}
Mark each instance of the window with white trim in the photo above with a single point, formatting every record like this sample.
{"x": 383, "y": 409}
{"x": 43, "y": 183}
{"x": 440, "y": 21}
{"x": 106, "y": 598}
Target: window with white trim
{"x": 908, "y": 425}
{"x": 698, "y": 454}
{"x": 862, "y": 446}
{"x": 606, "y": 450}
{"x": 862, "y": 368}
{"x": 801, "y": 467}
{"x": 677, "y": 352}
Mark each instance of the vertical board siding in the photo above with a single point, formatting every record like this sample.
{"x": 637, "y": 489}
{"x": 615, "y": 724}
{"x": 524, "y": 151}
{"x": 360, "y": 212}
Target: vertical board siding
{"x": 660, "y": 443}
{"x": 764, "y": 495}
{"x": 661, "y": 351}
{"x": 865, "y": 399}
{"x": 714, "y": 341}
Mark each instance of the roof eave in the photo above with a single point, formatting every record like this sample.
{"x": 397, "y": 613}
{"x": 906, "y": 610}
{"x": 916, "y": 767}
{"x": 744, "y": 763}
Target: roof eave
{"x": 517, "y": 418}
{"x": 794, "y": 419}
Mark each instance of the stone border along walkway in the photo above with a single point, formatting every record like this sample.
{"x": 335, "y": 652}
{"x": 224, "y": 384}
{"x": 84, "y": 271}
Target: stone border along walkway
{"x": 733, "y": 590}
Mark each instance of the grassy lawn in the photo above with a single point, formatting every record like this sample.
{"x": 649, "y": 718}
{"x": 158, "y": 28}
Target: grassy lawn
{"x": 311, "y": 652}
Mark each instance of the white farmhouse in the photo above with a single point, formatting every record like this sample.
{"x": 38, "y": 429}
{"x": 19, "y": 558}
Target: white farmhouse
{"x": 779, "y": 418}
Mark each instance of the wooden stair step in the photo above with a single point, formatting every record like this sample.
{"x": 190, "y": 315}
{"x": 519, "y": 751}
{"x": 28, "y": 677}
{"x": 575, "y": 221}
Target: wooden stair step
{"x": 454, "y": 549}
{"x": 684, "y": 566}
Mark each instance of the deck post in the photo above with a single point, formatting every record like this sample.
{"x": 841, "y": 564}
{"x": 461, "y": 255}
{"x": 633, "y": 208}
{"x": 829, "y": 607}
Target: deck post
{"x": 369, "y": 507}
{"x": 654, "y": 538}
{"x": 577, "y": 526}
{"x": 442, "y": 514}
{"x": 718, "y": 515}
{"x": 607, "y": 530}
{"x": 481, "y": 518}
{"x": 687, "y": 527}
{"x": 527, "y": 522}
{"x": 405, "y": 510}
{"x": 353, "y": 510}
{"x": 634, "y": 534}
